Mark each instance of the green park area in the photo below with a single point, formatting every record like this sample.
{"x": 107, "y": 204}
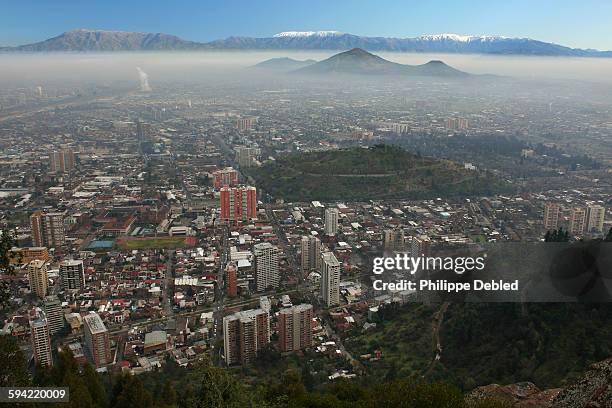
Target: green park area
{"x": 377, "y": 172}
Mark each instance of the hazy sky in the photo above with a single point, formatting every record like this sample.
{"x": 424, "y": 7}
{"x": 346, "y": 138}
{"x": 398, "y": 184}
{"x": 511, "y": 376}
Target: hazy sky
{"x": 584, "y": 24}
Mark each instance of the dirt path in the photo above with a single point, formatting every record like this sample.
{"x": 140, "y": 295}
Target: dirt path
{"x": 436, "y": 325}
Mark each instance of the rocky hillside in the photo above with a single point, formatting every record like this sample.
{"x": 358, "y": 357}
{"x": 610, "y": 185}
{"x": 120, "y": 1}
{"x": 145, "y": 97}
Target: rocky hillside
{"x": 593, "y": 390}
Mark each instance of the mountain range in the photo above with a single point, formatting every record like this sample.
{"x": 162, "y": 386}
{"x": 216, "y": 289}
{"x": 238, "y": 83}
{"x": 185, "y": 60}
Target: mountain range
{"x": 84, "y": 40}
{"x": 360, "y": 62}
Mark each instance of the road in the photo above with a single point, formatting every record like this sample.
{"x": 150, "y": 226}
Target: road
{"x": 168, "y": 283}
{"x": 218, "y": 304}
{"x": 436, "y": 325}
{"x": 357, "y": 366}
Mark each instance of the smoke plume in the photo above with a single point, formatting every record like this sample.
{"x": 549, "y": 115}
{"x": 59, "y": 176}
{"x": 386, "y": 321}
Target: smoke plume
{"x": 144, "y": 80}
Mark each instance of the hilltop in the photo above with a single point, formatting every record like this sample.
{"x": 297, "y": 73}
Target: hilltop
{"x": 378, "y": 172}
{"x": 361, "y": 62}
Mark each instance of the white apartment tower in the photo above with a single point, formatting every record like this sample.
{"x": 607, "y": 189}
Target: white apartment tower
{"x": 41, "y": 340}
{"x": 37, "y": 275}
{"x": 331, "y": 221}
{"x": 54, "y": 313}
{"x": 578, "y": 219}
{"x": 419, "y": 246}
{"x": 551, "y": 216}
{"x": 266, "y": 266}
{"x": 310, "y": 253}
{"x": 330, "y": 279}
{"x": 596, "y": 218}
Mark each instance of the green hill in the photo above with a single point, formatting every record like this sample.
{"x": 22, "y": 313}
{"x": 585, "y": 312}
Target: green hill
{"x": 549, "y": 344}
{"x": 378, "y": 172}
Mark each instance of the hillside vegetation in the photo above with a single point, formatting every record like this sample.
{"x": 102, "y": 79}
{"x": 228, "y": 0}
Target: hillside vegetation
{"x": 378, "y": 172}
{"x": 549, "y": 344}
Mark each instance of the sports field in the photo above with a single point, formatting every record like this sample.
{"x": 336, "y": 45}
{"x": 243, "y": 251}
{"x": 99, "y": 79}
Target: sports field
{"x": 152, "y": 243}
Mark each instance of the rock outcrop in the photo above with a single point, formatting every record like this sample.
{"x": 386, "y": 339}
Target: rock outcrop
{"x": 593, "y": 390}
{"x": 520, "y": 395}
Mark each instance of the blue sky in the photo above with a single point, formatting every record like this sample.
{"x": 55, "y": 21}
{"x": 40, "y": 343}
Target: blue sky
{"x": 585, "y": 23}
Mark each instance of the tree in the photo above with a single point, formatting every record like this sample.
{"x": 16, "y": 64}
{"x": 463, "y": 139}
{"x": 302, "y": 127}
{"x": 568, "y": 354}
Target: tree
{"x": 86, "y": 386}
{"x": 559, "y": 235}
{"x": 66, "y": 373}
{"x": 7, "y": 242}
{"x": 291, "y": 384}
{"x": 13, "y": 370}
{"x": 401, "y": 393}
{"x": 79, "y": 392}
{"x": 95, "y": 386}
{"x": 307, "y": 377}
{"x": 216, "y": 388}
{"x": 608, "y": 237}
{"x": 117, "y": 389}
{"x": 168, "y": 395}
{"x": 267, "y": 356}
{"x": 346, "y": 390}
{"x": 65, "y": 364}
{"x": 132, "y": 394}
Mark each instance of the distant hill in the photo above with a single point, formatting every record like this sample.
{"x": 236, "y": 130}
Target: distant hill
{"x": 355, "y": 61}
{"x": 95, "y": 40}
{"x": 284, "y": 64}
{"x": 361, "y": 62}
{"x": 100, "y": 40}
{"x": 379, "y": 172}
{"x": 435, "y": 68}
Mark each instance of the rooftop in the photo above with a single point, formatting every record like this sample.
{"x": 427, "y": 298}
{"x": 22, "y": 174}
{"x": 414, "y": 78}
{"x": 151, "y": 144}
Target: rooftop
{"x": 94, "y": 323}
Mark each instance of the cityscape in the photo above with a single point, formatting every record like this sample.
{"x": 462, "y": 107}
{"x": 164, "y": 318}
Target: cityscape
{"x": 166, "y": 216}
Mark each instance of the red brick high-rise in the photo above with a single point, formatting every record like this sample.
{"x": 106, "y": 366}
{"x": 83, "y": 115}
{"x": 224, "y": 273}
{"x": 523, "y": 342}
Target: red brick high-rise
{"x": 231, "y": 279}
{"x": 47, "y": 229}
{"x": 238, "y": 204}
{"x": 244, "y": 334}
{"x": 295, "y": 328}
{"x": 61, "y": 161}
{"x": 97, "y": 340}
{"x": 226, "y": 177}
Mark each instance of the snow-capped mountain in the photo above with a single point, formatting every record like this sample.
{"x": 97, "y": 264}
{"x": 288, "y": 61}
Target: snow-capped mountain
{"x": 459, "y": 38}
{"x": 98, "y": 40}
{"x": 286, "y": 34}
{"x": 434, "y": 43}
